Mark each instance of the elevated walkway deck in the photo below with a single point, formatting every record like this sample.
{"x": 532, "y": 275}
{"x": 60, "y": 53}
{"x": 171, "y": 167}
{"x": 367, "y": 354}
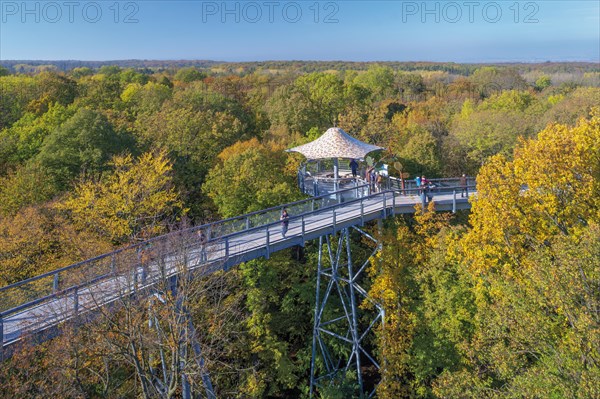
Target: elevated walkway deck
{"x": 44, "y": 301}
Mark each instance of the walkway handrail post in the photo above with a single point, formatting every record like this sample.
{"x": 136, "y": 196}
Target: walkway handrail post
{"x": 268, "y": 244}
{"x": 384, "y": 205}
{"x": 303, "y": 229}
{"x": 247, "y": 222}
{"x": 113, "y": 264}
{"x": 454, "y": 201}
{"x": 226, "y": 248}
{"x": 423, "y": 199}
{"x": 1, "y": 334}
{"x": 334, "y": 221}
{"x": 312, "y": 205}
{"x": 393, "y": 203}
{"x": 134, "y": 279}
{"x": 76, "y": 301}
{"x": 55, "y": 283}
{"x": 362, "y": 211}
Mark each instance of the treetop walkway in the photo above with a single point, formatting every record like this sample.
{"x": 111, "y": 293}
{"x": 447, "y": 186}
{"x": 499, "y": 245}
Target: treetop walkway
{"x": 44, "y": 301}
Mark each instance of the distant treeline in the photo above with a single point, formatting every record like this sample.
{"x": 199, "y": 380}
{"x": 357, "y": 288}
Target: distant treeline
{"x": 32, "y": 66}
{"x": 67, "y": 65}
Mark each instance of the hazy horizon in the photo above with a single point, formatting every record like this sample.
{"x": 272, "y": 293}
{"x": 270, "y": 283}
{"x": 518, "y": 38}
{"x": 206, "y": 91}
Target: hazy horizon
{"x": 246, "y": 31}
{"x": 296, "y": 60}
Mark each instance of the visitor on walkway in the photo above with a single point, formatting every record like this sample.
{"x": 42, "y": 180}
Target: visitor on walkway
{"x": 429, "y": 190}
{"x": 418, "y": 184}
{"x": 463, "y": 184}
{"x": 144, "y": 256}
{"x": 378, "y": 182}
{"x": 373, "y": 180}
{"x": 285, "y": 221}
{"x": 354, "y": 167}
{"x": 202, "y": 239}
{"x": 424, "y": 188}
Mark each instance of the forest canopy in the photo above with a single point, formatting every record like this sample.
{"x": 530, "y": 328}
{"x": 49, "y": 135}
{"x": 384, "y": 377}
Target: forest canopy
{"x": 498, "y": 302}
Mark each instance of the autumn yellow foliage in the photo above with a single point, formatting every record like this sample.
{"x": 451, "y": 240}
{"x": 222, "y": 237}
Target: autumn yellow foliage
{"x": 137, "y": 200}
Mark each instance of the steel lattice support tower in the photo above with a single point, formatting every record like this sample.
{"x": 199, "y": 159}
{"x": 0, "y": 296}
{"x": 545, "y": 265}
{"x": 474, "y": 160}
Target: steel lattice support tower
{"x": 341, "y": 327}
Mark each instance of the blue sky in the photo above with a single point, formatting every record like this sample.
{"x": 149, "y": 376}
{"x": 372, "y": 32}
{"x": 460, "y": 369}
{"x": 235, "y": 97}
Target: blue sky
{"x": 458, "y": 31}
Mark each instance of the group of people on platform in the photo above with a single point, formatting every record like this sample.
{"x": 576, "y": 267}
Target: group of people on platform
{"x": 424, "y": 187}
{"x": 373, "y": 178}
{"x": 375, "y": 181}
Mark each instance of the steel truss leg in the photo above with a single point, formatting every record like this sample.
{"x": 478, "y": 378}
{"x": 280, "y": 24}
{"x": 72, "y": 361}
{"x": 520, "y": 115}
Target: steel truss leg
{"x": 188, "y": 335}
{"x": 340, "y": 330}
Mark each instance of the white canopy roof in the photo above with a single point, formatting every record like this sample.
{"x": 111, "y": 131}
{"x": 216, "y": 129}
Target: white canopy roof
{"x": 335, "y": 143}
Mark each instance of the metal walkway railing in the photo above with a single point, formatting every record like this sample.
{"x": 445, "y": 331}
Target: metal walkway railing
{"x": 44, "y": 301}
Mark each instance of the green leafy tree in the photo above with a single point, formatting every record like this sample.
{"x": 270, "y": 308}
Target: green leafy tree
{"x": 410, "y": 85}
{"x": 325, "y": 93}
{"x": 508, "y": 100}
{"x": 53, "y": 88}
{"x": 543, "y": 82}
{"x": 570, "y": 107}
{"x": 197, "y": 96}
{"x": 100, "y": 91}
{"x": 16, "y": 92}
{"x": 489, "y": 80}
{"x": 289, "y": 109}
{"x": 243, "y": 181}
{"x": 193, "y": 140}
{"x": 24, "y": 139}
{"x": 279, "y": 295}
{"x": 147, "y": 99}
{"x": 379, "y": 80}
{"x": 81, "y": 71}
{"x": 313, "y": 100}
{"x": 83, "y": 144}
{"x": 109, "y": 70}
{"x": 419, "y": 154}
{"x": 187, "y": 75}
{"x": 130, "y": 75}
{"x": 494, "y": 126}
{"x": 358, "y": 104}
